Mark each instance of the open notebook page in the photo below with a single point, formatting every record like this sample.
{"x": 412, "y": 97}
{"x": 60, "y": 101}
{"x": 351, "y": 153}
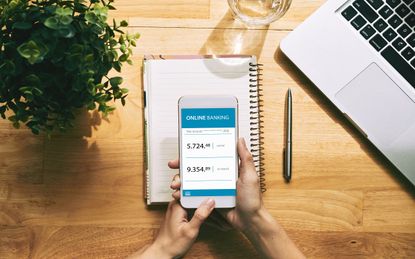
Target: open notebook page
{"x": 165, "y": 82}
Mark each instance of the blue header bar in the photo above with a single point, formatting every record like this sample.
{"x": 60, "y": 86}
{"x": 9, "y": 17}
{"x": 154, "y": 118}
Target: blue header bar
{"x": 208, "y": 118}
{"x": 214, "y": 192}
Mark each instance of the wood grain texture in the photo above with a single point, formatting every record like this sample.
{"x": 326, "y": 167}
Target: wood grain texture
{"x": 79, "y": 194}
{"x": 202, "y": 17}
{"x": 118, "y": 242}
{"x": 163, "y": 9}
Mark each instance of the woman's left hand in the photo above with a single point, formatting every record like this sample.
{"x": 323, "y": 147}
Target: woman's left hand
{"x": 177, "y": 234}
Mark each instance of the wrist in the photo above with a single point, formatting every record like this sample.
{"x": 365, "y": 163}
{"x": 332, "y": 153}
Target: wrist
{"x": 156, "y": 250}
{"x": 269, "y": 238}
{"x": 261, "y": 224}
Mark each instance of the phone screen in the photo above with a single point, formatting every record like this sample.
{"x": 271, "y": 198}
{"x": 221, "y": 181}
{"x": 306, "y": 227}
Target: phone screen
{"x": 208, "y": 139}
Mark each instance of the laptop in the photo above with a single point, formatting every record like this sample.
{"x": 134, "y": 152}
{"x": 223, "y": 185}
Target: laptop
{"x": 361, "y": 55}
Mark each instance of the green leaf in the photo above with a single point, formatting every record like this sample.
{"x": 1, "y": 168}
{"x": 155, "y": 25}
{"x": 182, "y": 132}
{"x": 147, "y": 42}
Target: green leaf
{"x": 3, "y": 115}
{"x": 91, "y": 17}
{"x": 8, "y": 66}
{"x": 22, "y": 25}
{"x": 76, "y": 48}
{"x": 24, "y": 89}
{"x": 16, "y": 125}
{"x": 64, "y": 11}
{"x": 97, "y": 28}
{"x": 116, "y": 81}
{"x": 79, "y": 7}
{"x": 32, "y": 51}
{"x": 117, "y": 95}
{"x": 52, "y": 23}
{"x": 113, "y": 55}
{"x": 92, "y": 106}
{"x": 110, "y": 109}
{"x": 101, "y": 107}
{"x": 65, "y": 20}
{"x": 67, "y": 32}
{"x": 123, "y": 48}
{"x": 28, "y": 51}
{"x": 117, "y": 66}
{"x": 124, "y": 90}
{"x": 124, "y": 23}
{"x": 37, "y": 91}
{"x": 113, "y": 42}
{"x": 123, "y": 58}
{"x": 121, "y": 40}
{"x": 101, "y": 12}
{"x": 32, "y": 79}
{"x": 89, "y": 58}
{"x": 35, "y": 130}
{"x": 12, "y": 118}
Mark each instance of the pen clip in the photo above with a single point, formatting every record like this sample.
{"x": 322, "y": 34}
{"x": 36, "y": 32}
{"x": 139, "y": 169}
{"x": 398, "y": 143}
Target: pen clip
{"x": 284, "y": 154}
{"x": 286, "y": 175}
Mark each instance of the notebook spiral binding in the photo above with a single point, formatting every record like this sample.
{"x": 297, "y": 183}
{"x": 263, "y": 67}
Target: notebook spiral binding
{"x": 256, "y": 108}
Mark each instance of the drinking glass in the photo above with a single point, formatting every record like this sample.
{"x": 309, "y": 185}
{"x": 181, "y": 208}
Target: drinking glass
{"x": 258, "y": 12}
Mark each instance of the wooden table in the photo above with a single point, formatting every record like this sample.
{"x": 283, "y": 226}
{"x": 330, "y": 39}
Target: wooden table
{"x": 80, "y": 194}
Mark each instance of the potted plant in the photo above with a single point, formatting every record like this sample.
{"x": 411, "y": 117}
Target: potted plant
{"x": 54, "y": 59}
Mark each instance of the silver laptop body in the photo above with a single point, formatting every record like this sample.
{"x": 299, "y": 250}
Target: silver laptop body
{"x": 362, "y": 69}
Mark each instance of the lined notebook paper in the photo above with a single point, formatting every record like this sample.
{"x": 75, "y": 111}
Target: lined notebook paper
{"x": 166, "y": 79}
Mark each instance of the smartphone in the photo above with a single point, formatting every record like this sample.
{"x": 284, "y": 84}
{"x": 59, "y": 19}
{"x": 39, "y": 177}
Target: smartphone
{"x": 208, "y": 133}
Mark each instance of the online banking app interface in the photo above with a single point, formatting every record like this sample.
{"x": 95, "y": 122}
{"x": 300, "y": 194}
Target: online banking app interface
{"x": 208, "y": 151}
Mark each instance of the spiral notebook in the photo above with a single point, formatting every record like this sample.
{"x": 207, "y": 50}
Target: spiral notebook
{"x": 165, "y": 80}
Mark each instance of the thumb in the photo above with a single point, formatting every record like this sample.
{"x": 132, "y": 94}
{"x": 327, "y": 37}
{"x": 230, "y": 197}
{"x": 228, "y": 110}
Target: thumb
{"x": 202, "y": 213}
{"x": 247, "y": 166}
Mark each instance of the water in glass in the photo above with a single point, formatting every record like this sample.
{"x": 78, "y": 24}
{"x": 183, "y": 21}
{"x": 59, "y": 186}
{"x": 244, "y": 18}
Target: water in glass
{"x": 258, "y": 12}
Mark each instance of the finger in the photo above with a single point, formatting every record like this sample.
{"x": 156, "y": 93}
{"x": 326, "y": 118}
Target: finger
{"x": 174, "y": 164}
{"x": 247, "y": 166}
{"x": 176, "y": 211}
{"x": 225, "y": 212}
{"x": 176, "y": 195}
{"x": 175, "y": 184}
{"x": 202, "y": 213}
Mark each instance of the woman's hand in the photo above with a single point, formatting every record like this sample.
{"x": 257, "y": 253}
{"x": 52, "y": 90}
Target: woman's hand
{"x": 177, "y": 234}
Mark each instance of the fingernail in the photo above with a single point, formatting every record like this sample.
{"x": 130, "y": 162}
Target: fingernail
{"x": 243, "y": 141}
{"x": 210, "y": 203}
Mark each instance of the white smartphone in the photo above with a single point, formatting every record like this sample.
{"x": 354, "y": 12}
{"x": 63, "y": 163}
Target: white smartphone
{"x": 208, "y": 133}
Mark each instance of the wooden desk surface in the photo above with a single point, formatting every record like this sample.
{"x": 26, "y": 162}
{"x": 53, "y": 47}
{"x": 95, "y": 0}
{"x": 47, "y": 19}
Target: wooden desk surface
{"x": 80, "y": 194}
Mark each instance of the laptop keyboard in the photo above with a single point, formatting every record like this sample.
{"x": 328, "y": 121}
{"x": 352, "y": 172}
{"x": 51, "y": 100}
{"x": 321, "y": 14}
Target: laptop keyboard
{"x": 389, "y": 26}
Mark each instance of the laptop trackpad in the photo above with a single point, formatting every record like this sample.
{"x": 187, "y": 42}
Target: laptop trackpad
{"x": 375, "y": 103}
